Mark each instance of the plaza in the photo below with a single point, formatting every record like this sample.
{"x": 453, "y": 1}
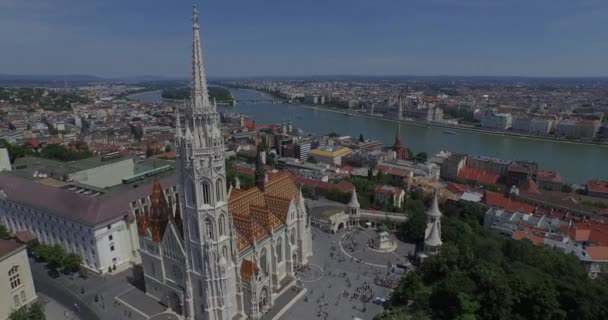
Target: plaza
{"x": 343, "y": 279}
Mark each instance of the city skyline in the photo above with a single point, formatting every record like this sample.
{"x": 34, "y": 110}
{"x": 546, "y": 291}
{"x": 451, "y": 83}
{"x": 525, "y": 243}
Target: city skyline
{"x": 430, "y": 38}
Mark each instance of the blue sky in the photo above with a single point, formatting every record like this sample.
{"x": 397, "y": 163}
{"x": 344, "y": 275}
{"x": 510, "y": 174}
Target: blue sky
{"x": 310, "y": 37}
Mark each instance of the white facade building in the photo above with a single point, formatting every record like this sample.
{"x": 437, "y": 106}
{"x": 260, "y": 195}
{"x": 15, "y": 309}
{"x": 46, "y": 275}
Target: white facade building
{"x": 95, "y": 223}
{"x": 499, "y": 121}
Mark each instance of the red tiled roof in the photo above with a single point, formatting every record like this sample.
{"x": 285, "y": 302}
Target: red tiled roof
{"x": 536, "y": 239}
{"x": 549, "y": 176}
{"x": 256, "y": 214}
{"x": 8, "y": 246}
{"x": 497, "y": 199}
{"x": 457, "y": 188}
{"x": 25, "y": 236}
{"x": 528, "y": 186}
{"x": 479, "y": 176}
{"x": 326, "y": 186}
{"x": 171, "y": 155}
{"x": 598, "y": 186}
{"x": 598, "y": 253}
{"x": 390, "y": 191}
{"x": 594, "y": 233}
{"x": 394, "y": 171}
{"x": 34, "y": 143}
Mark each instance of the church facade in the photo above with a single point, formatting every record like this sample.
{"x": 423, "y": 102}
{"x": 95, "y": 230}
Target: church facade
{"x": 211, "y": 253}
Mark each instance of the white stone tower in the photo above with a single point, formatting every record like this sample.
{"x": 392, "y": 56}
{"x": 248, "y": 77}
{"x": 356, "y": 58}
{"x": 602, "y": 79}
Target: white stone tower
{"x": 432, "y": 234}
{"x": 353, "y": 208}
{"x": 208, "y": 235}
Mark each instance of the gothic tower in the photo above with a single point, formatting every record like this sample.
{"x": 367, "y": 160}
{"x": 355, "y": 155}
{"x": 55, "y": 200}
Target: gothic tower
{"x": 208, "y": 235}
{"x": 432, "y": 234}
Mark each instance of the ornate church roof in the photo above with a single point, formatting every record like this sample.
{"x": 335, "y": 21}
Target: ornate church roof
{"x": 159, "y": 214}
{"x": 256, "y": 214}
{"x": 248, "y": 270}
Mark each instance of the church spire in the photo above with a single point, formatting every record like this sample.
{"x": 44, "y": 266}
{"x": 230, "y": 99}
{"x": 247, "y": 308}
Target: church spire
{"x": 260, "y": 172}
{"x": 199, "y": 94}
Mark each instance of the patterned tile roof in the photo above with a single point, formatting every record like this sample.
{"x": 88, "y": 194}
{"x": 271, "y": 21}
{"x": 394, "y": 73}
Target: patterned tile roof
{"x": 256, "y": 214}
{"x": 248, "y": 270}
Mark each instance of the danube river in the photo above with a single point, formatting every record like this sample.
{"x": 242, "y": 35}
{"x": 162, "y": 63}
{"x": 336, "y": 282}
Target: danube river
{"x": 577, "y": 163}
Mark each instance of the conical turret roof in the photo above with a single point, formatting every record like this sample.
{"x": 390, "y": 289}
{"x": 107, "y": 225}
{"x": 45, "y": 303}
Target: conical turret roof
{"x": 354, "y": 202}
{"x": 434, "y": 237}
{"x": 433, "y": 210}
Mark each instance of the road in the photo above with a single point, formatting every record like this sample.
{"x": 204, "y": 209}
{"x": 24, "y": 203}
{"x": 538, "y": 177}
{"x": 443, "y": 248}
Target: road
{"x": 57, "y": 291}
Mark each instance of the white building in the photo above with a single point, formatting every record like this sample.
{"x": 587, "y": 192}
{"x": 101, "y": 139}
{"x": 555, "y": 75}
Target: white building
{"x": 499, "y": 121}
{"x": 541, "y": 126}
{"x": 93, "y": 222}
{"x": 17, "y": 285}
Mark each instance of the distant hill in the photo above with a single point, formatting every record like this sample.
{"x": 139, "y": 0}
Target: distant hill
{"x": 48, "y": 77}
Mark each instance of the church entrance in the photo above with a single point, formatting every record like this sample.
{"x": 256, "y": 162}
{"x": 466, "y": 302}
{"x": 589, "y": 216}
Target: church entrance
{"x": 264, "y": 300}
{"x": 174, "y": 302}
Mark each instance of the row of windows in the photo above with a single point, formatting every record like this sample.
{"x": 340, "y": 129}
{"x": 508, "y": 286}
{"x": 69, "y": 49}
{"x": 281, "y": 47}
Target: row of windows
{"x": 17, "y": 301}
{"x": 35, "y": 216}
{"x": 209, "y": 228}
{"x": 207, "y": 193}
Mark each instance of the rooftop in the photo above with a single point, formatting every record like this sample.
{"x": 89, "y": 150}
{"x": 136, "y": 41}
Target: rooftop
{"x": 86, "y": 204}
{"x": 598, "y": 186}
{"x": 7, "y": 247}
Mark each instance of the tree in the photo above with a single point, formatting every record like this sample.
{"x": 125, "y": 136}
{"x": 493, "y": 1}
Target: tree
{"x": 308, "y": 192}
{"x": 5, "y": 233}
{"x": 413, "y": 229}
{"x": 71, "y": 262}
{"x": 335, "y": 194}
{"x": 361, "y": 138}
{"x": 311, "y": 159}
{"x": 61, "y": 153}
{"x": 54, "y": 255}
{"x": 168, "y": 148}
{"x": 149, "y": 152}
{"x": 566, "y": 188}
{"x": 333, "y": 134}
{"x": 421, "y": 157}
{"x": 34, "y": 311}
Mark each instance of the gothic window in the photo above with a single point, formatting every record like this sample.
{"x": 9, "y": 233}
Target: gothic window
{"x": 225, "y": 252}
{"x": 206, "y": 193}
{"x": 292, "y": 236}
{"x": 280, "y": 250}
{"x": 222, "y": 225}
{"x": 13, "y": 277}
{"x": 264, "y": 261}
{"x": 218, "y": 189}
{"x": 200, "y": 288}
{"x": 193, "y": 193}
{"x": 209, "y": 228}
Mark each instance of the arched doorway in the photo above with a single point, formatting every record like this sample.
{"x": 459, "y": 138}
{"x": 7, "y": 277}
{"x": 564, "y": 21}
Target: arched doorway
{"x": 174, "y": 302}
{"x": 340, "y": 226}
{"x": 264, "y": 300}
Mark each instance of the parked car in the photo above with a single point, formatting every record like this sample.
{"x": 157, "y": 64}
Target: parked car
{"x": 53, "y": 273}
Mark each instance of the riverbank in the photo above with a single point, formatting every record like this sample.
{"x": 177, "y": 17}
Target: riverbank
{"x": 454, "y": 127}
